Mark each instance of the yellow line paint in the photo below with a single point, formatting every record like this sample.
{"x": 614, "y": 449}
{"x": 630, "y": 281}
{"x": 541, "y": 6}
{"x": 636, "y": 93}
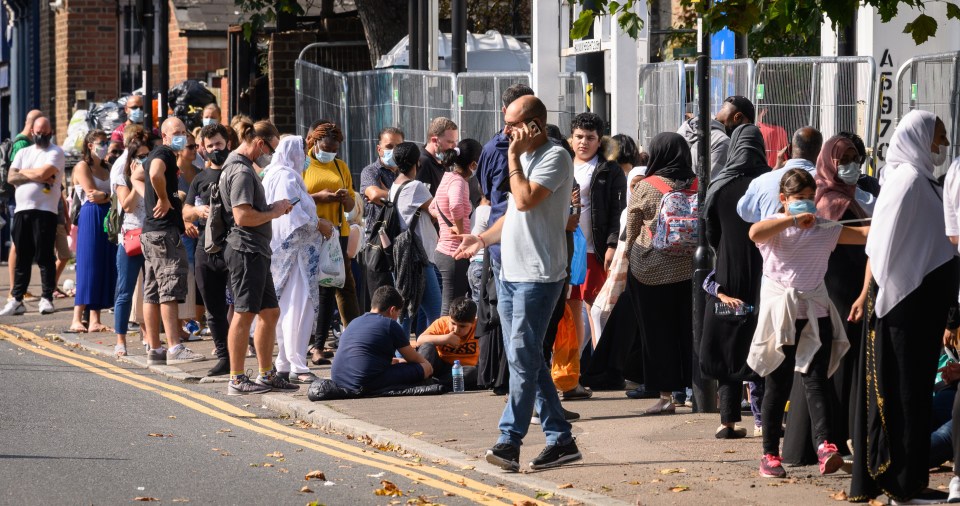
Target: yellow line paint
{"x": 270, "y": 428}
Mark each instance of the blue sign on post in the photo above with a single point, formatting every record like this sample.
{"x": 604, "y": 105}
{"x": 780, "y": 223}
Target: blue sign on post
{"x": 723, "y": 45}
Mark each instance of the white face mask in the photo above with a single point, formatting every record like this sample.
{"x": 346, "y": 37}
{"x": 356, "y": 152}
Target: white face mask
{"x": 939, "y": 158}
{"x": 849, "y": 173}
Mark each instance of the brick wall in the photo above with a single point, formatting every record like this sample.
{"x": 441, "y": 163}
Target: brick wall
{"x": 178, "y": 52}
{"x": 48, "y": 63}
{"x": 284, "y": 49}
{"x": 86, "y": 55}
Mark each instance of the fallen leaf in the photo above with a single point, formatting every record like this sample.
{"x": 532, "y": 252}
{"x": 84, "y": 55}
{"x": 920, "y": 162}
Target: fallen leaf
{"x": 221, "y": 431}
{"x": 566, "y": 485}
{"x": 449, "y": 440}
{"x": 157, "y": 434}
{"x": 415, "y": 434}
{"x": 449, "y": 494}
{"x": 713, "y": 478}
{"x": 656, "y": 480}
{"x": 254, "y": 465}
{"x": 544, "y": 495}
{"x": 729, "y": 451}
{"x": 679, "y": 488}
{"x": 225, "y": 454}
{"x": 146, "y": 499}
{"x": 267, "y": 464}
{"x": 839, "y": 496}
{"x": 173, "y": 418}
{"x": 524, "y": 503}
{"x": 874, "y": 502}
{"x": 467, "y": 468}
{"x": 389, "y": 489}
{"x": 306, "y": 490}
{"x": 672, "y": 471}
{"x": 634, "y": 482}
{"x": 315, "y": 475}
{"x": 275, "y": 455}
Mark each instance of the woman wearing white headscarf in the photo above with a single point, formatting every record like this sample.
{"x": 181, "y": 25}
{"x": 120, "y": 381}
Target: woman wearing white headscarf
{"x": 915, "y": 270}
{"x": 296, "y": 258}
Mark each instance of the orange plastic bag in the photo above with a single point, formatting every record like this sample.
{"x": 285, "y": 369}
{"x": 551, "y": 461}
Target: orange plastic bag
{"x": 566, "y": 354}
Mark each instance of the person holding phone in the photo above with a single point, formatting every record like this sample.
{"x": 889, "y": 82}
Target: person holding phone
{"x": 534, "y": 254}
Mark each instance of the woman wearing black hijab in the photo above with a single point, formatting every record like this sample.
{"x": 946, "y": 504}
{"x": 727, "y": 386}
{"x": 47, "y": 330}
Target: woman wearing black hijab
{"x": 658, "y": 281}
{"x": 739, "y": 268}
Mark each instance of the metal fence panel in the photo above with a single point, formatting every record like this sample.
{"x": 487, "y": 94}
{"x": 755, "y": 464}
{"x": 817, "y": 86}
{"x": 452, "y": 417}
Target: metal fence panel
{"x": 320, "y": 94}
{"x": 661, "y": 99}
{"x": 420, "y": 96}
{"x": 727, "y": 77}
{"x": 479, "y": 104}
{"x": 932, "y": 83}
{"x": 832, "y": 94}
{"x": 370, "y": 109}
{"x": 573, "y": 98}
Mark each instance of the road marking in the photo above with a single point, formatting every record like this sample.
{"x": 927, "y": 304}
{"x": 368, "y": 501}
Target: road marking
{"x": 458, "y": 484}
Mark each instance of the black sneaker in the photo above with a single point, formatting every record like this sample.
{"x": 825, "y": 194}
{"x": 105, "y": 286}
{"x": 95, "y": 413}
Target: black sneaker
{"x": 556, "y": 455}
{"x": 277, "y": 383}
{"x": 568, "y": 415}
{"x": 504, "y": 455}
{"x": 243, "y": 386}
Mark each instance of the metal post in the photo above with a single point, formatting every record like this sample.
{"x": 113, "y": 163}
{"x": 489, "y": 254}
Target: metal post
{"x": 423, "y": 47}
{"x": 413, "y": 34}
{"x": 704, "y": 390}
{"x": 164, "y": 51}
{"x": 458, "y": 36}
{"x": 593, "y": 65}
{"x": 146, "y": 27}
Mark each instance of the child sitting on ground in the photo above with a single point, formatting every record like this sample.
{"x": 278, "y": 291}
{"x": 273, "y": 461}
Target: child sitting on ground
{"x": 366, "y": 362}
{"x": 452, "y": 338}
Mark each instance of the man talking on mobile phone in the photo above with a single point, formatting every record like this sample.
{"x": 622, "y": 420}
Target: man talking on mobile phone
{"x": 534, "y": 254}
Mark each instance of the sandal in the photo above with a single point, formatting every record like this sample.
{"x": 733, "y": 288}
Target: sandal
{"x": 58, "y": 293}
{"x": 120, "y": 350}
{"x": 100, "y": 328}
{"x": 662, "y": 407}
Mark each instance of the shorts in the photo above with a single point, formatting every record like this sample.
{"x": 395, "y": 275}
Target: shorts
{"x": 251, "y": 281}
{"x": 62, "y": 244}
{"x": 591, "y": 286}
{"x": 164, "y": 268}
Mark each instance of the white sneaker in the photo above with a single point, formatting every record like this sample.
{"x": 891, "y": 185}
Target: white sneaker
{"x": 14, "y": 307}
{"x": 954, "y": 490}
{"x": 46, "y": 306}
{"x": 180, "y": 354}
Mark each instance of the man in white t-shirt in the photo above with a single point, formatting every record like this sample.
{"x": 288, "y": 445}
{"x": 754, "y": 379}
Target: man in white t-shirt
{"x": 37, "y": 172}
{"x": 534, "y": 267}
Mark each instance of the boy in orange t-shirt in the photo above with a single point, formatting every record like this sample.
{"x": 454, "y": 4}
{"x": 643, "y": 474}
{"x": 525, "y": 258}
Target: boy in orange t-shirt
{"x": 452, "y": 338}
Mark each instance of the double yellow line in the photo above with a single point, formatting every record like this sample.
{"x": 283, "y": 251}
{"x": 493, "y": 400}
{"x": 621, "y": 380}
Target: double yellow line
{"x": 429, "y": 476}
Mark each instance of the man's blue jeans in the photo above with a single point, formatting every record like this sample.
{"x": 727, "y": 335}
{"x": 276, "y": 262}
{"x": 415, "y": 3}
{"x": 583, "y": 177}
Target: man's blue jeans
{"x": 524, "y": 317}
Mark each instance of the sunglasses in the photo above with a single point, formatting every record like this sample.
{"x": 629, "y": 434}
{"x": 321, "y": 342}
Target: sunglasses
{"x": 116, "y": 152}
{"x": 191, "y": 147}
{"x": 142, "y": 157}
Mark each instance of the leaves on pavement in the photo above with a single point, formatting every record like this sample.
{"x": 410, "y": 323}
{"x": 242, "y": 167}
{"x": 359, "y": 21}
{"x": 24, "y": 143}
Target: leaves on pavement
{"x": 389, "y": 489}
{"x": 679, "y": 488}
{"x": 315, "y": 475}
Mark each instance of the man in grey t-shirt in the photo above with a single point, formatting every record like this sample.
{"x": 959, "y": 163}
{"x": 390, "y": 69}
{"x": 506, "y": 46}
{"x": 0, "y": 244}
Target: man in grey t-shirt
{"x": 534, "y": 254}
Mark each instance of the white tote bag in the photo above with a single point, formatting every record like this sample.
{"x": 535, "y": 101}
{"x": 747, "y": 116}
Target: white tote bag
{"x": 332, "y": 268}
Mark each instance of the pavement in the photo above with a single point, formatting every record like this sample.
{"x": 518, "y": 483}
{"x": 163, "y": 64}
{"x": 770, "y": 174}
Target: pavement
{"x": 628, "y": 458}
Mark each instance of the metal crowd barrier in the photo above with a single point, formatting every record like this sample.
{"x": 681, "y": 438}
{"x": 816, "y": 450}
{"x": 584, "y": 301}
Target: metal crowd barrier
{"x": 832, "y": 94}
{"x": 661, "y": 99}
{"x": 727, "y": 77}
{"x": 932, "y": 83}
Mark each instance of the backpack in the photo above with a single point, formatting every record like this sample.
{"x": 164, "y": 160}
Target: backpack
{"x": 6, "y": 189}
{"x": 378, "y": 251}
{"x": 677, "y": 229}
{"x": 113, "y": 221}
{"x": 216, "y": 229}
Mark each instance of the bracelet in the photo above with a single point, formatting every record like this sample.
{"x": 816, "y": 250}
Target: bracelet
{"x": 482, "y": 242}
{"x": 515, "y": 172}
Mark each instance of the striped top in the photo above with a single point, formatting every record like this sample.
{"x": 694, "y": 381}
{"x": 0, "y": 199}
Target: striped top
{"x": 453, "y": 200}
{"x": 798, "y": 258}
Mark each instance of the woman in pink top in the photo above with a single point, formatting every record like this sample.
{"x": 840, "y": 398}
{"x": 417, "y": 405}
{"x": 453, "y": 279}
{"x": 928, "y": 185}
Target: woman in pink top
{"x": 453, "y": 211}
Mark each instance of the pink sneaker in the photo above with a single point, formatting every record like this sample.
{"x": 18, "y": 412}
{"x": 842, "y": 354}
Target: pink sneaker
{"x": 830, "y": 459}
{"x": 771, "y": 467}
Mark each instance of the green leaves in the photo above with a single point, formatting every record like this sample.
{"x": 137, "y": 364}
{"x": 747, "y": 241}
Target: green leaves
{"x": 921, "y": 28}
{"x": 265, "y": 11}
{"x": 953, "y": 11}
{"x": 627, "y": 19}
{"x": 581, "y": 27}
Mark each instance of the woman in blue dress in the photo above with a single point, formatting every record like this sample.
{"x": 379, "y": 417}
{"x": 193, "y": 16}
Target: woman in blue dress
{"x": 96, "y": 271}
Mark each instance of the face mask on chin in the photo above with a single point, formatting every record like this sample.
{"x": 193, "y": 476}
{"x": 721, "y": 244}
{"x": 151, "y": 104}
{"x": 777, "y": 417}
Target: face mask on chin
{"x": 42, "y": 140}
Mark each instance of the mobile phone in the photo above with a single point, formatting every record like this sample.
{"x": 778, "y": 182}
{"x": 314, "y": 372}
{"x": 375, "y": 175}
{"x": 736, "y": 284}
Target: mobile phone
{"x": 295, "y": 201}
{"x": 534, "y": 128}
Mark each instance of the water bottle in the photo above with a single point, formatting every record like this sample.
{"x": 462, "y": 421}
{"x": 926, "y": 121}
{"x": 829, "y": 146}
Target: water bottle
{"x": 457, "y": 373}
{"x": 192, "y": 328}
{"x": 721, "y": 309}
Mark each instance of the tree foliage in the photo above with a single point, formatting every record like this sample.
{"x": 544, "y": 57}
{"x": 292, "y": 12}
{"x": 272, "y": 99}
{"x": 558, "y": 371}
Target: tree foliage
{"x": 262, "y": 12}
{"x": 792, "y": 17}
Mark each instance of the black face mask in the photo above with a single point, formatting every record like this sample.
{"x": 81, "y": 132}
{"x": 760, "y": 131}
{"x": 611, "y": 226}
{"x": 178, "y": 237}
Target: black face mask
{"x": 218, "y": 156}
{"x": 42, "y": 141}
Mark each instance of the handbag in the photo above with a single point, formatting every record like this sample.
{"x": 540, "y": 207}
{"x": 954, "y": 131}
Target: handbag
{"x": 333, "y": 272}
{"x": 131, "y": 242}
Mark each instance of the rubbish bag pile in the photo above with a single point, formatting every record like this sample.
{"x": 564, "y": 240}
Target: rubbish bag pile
{"x": 188, "y": 99}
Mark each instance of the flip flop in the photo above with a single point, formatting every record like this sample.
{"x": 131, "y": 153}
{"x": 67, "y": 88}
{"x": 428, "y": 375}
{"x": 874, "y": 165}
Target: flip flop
{"x": 101, "y": 328}
{"x": 58, "y": 293}
{"x": 74, "y": 330}
{"x": 120, "y": 350}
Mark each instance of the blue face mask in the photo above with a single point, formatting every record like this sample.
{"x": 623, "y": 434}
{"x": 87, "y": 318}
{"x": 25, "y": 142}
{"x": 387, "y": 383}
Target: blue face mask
{"x": 136, "y": 116}
{"x": 802, "y": 206}
{"x": 388, "y": 158}
{"x": 209, "y": 121}
{"x": 178, "y": 142}
{"x": 324, "y": 157}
